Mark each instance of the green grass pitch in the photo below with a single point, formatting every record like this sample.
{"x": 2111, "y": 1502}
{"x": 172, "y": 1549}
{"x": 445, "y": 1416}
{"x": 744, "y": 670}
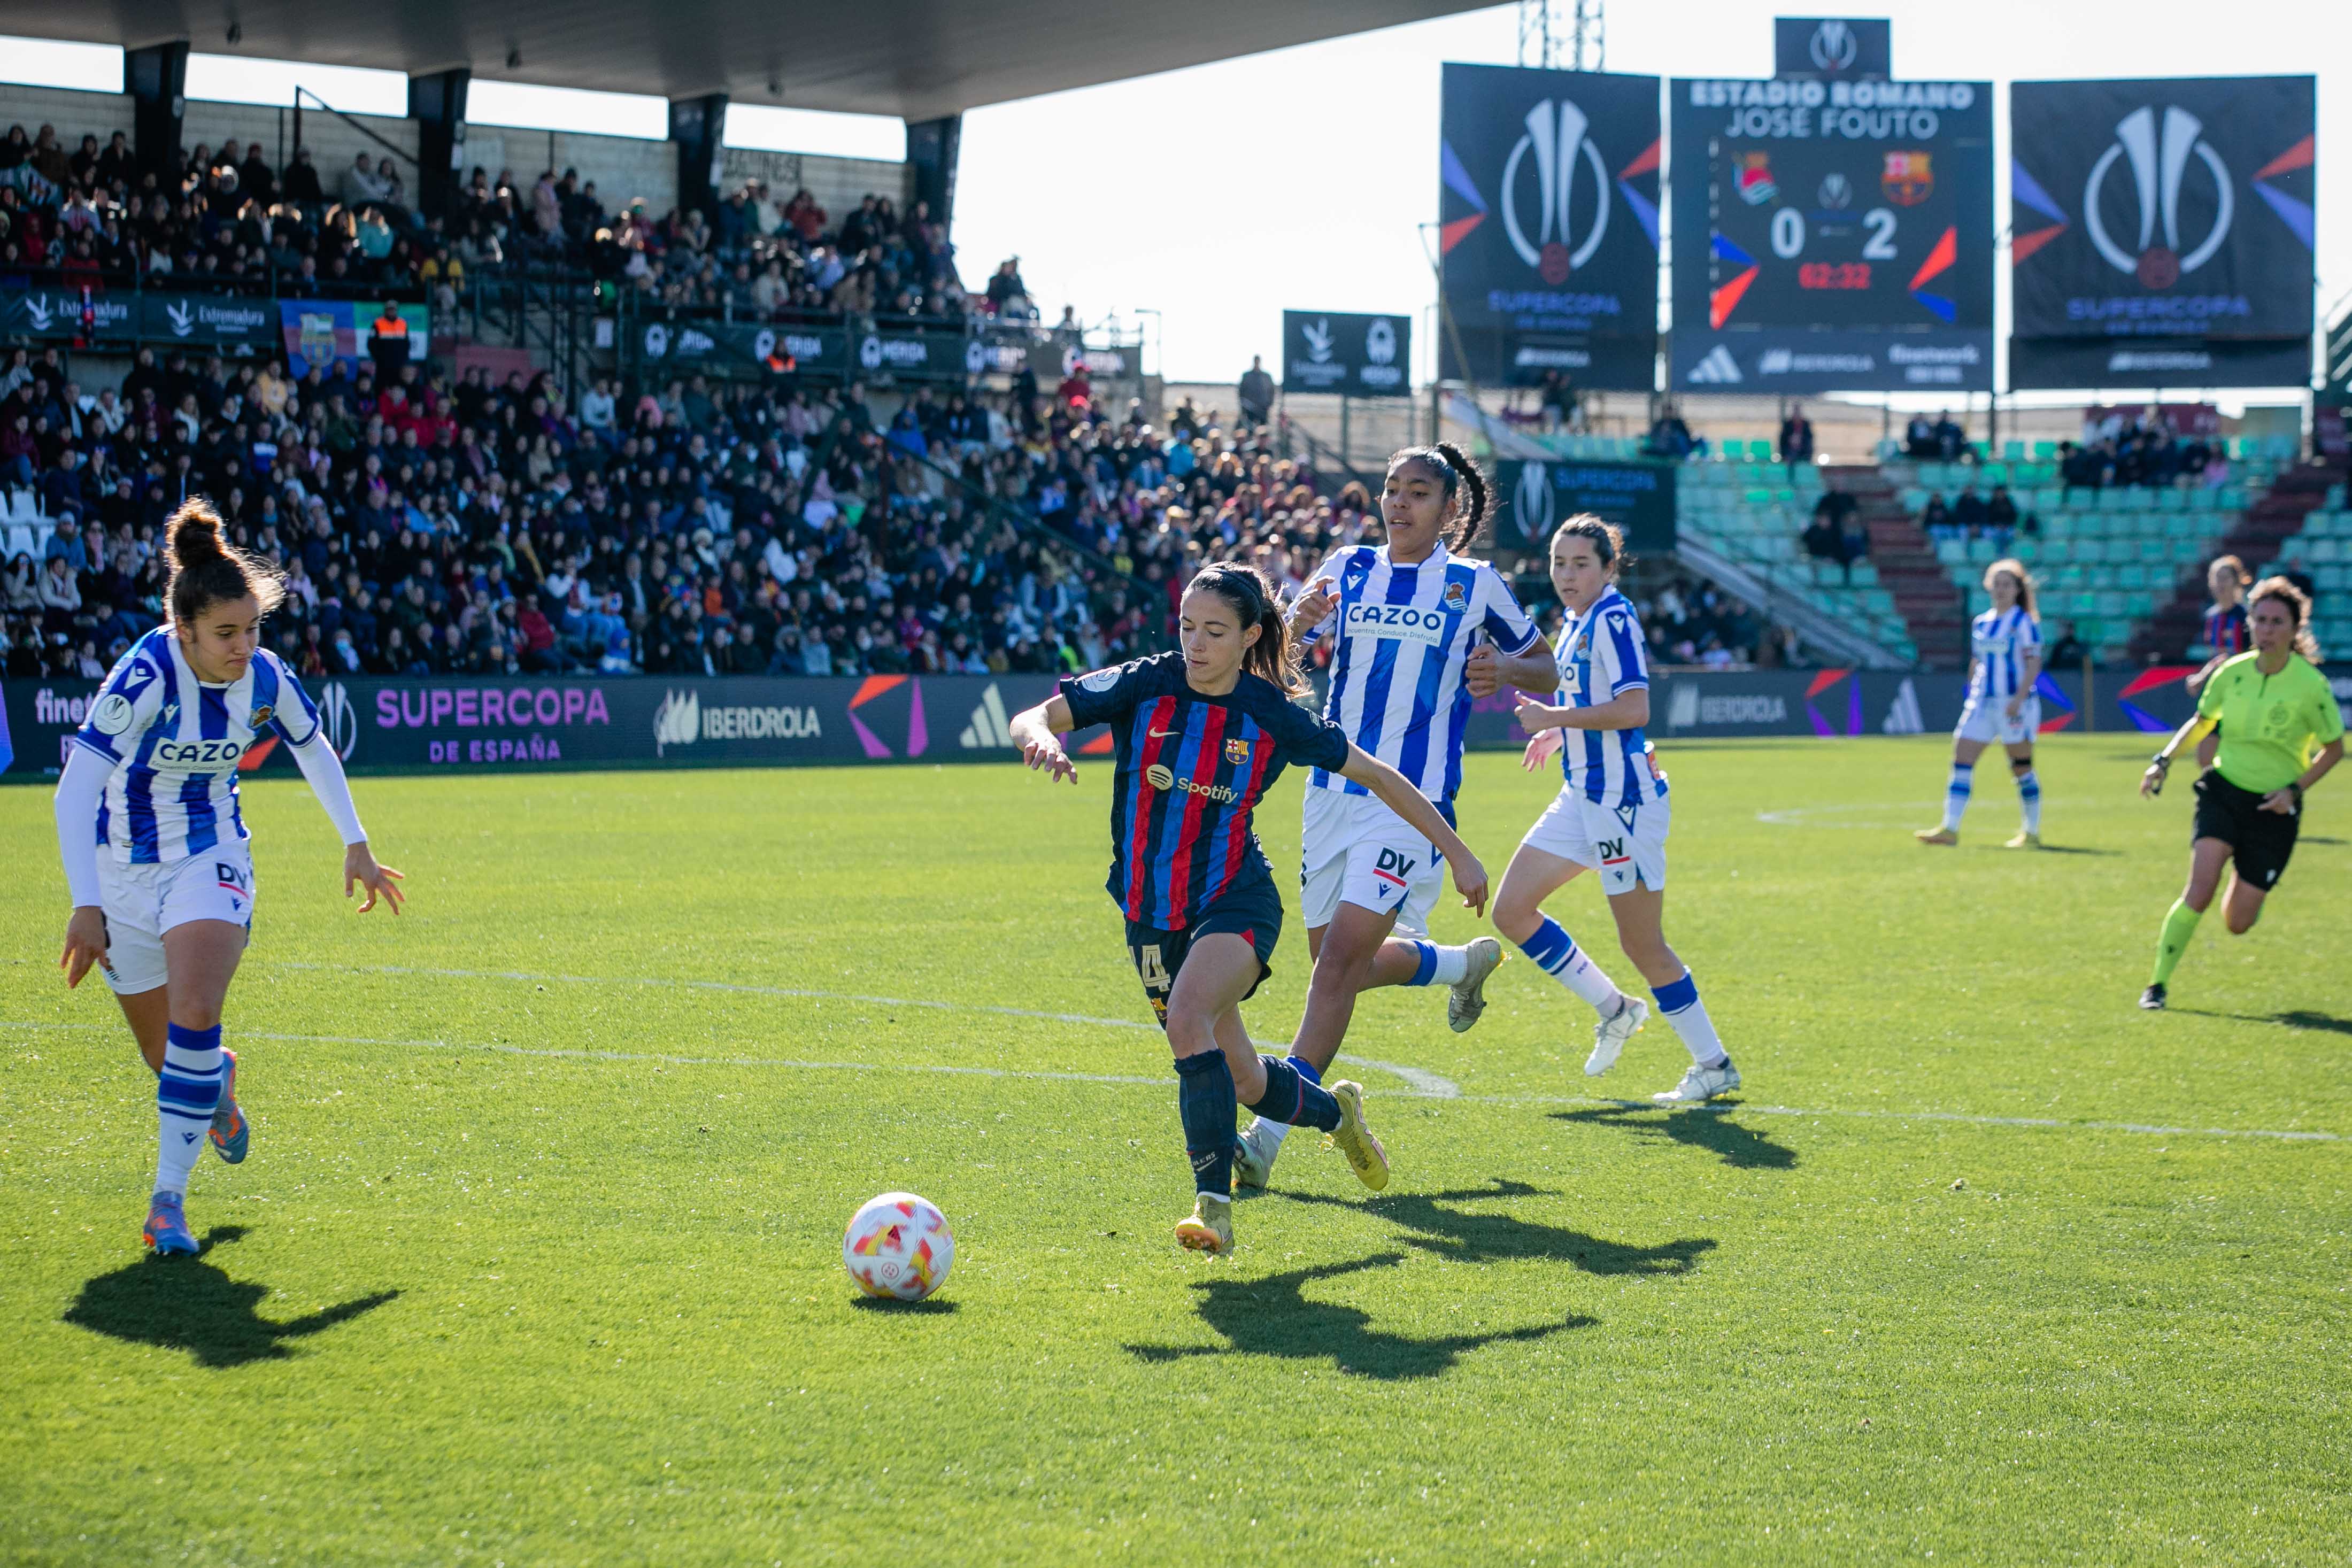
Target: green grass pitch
{"x": 536, "y": 1259}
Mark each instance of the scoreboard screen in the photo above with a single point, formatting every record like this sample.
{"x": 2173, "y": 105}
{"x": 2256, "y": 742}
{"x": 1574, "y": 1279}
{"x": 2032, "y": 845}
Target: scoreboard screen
{"x": 1833, "y": 235}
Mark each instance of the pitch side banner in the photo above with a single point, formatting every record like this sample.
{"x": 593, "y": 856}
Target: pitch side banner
{"x": 1548, "y": 210}
{"x": 1638, "y": 497}
{"x": 204, "y": 321}
{"x": 504, "y": 724}
{"x": 742, "y": 346}
{"x": 1358, "y": 355}
{"x": 1832, "y": 236}
{"x": 2169, "y": 225}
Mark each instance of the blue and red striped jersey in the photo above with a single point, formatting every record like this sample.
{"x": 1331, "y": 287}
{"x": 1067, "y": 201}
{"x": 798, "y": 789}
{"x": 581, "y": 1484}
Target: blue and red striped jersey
{"x": 2225, "y": 630}
{"x": 1190, "y": 770}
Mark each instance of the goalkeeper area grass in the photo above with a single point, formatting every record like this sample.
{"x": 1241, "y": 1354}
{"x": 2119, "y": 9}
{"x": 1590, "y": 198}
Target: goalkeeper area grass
{"x": 537, "y": 1255}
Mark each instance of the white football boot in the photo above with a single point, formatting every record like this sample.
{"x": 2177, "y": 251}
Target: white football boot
{"x": 1253, "y": 1152}
{"x": 1609, "y": 1035}
{"x": 1468, "y": 996}
{"x": 1701, "y": 1083}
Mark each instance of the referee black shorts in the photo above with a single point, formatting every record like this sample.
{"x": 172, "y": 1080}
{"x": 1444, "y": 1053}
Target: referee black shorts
{"x": 2261, "y": 842}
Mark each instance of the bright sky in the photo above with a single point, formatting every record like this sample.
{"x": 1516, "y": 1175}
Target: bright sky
{"x": 1219, "y": 195}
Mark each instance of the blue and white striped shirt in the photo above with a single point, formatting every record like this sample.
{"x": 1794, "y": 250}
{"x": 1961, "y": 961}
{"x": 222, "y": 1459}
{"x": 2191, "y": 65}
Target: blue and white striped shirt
{"x": 175, "y": 743}
{"x": 1396, "y": 675}
{"x": 1600, "y": 658}
{"x": 2001, "y": 639}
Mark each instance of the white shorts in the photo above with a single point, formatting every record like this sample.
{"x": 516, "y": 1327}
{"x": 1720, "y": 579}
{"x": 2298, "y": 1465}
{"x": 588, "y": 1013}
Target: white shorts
{"x": 1627, "y": 845}
{"x": 1359, "y": 852}
{"x": 142, "y": 901}
{"x": 1987, "y": 719}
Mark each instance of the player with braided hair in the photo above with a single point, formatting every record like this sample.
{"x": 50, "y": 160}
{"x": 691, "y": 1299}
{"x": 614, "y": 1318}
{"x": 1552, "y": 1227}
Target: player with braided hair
{"x": 1418, "y": 631}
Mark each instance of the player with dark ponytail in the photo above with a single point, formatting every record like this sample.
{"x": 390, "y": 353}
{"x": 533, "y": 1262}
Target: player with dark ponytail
{"x": 154, "y": 845}
{"x": 1419, "y": 633}
{"x": 1198, "y": 737}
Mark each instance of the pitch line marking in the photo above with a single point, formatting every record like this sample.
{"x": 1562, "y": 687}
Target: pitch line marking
{"x": 2041, "y": 1124}
{"x": 1426, "y": 1084}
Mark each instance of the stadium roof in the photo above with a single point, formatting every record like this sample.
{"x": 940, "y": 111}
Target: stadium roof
{"x": 914, "y": 58}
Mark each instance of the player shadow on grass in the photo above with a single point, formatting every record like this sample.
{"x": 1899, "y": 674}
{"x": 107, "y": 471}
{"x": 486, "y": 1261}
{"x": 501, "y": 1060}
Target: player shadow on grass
{"x": 1442, "y": 1227}
{"x": 2294, "y": 1018}
{"x": 1273, "y": 1316}
{"x": 186, "y": 1304}
{"x": 1742, "y": 1147}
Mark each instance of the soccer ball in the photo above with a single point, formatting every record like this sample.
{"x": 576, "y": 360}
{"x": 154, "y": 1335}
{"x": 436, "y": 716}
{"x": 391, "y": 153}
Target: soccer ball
{"x": 898, "y": 1245}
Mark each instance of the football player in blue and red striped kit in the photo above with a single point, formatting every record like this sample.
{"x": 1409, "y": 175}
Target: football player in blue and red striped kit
{"x": 2225, "y": 632}
{"x": 1198, "y": 737}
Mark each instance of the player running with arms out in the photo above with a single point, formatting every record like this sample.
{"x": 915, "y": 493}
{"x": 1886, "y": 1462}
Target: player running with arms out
{"x": 2282, "y": 732}
{"x": 2005, "y": 645}
{"x": 1419, "y": 632}
{"x": 1611, "y": 817}
{"x": 156, "y": 846}
{"x": 1198, "y": 737}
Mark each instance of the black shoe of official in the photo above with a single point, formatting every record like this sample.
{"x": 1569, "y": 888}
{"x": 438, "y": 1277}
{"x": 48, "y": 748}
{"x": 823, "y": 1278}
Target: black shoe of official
{"x": 2152, "y": 999}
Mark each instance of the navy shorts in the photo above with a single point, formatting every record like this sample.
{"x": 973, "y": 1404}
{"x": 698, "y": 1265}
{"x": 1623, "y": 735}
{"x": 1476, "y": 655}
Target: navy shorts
{"x": 1253, "y": 913}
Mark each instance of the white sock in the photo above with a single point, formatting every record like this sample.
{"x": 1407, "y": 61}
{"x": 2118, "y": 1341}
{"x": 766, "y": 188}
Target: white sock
{"x": 1955, "y": 796}
{"x": 1557, "y": 954}
{"x": 1442, "y": 966}
{"x": 2028, "y": 799}
{"x": 186, "y": 1094}
{"x": 1679, "y": 1001}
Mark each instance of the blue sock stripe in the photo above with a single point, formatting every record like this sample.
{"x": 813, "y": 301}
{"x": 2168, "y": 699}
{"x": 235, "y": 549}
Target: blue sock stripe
{"x": 2030, "y": 787}
{"x": 1305, "y": 1069}
{"x": 1427, "y": 970}
{"x": 186, "y": 1039}
{"x": 1550, "y": 946}
{"x": 1675, "y": 995}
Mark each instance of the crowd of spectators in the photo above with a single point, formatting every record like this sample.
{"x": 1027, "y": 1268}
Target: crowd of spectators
{"x": 1688, "y": 621}
{"x": 2128, "y": 450}
{"x": 1937, "y": 439}
{"x": 1836, "y": 531}
{"x": 227, "y": 219}
{"x": 433, "y": 525}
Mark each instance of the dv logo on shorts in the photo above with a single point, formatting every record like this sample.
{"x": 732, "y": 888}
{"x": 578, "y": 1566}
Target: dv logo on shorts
{"x": 236, "y": 879}
{"x": 1394, "y": 868}
{"x": 1612, "y": 851}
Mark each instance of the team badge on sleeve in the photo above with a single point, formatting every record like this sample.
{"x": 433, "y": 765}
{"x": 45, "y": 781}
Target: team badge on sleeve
{"x": 1102, "y": 680}
{"x": 111, "y": 714}
{"x": 261, "y": 716}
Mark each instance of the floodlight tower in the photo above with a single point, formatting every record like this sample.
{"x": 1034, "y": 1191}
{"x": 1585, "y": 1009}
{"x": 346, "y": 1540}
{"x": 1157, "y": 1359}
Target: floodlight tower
{"x": 1538, "y": 44}
{"x": 1587, "y": 49}
{"x": 1576, "y": 42}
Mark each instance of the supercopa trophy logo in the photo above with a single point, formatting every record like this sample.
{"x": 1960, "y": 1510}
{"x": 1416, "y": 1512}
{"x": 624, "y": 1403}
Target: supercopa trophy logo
{"x": 1556, "y": 135}
{"x": 336, "y": 716}
{"x": 1834, "y": 45}
{"x": 1532, "y": 500}
{"x": 2159, "y": 160}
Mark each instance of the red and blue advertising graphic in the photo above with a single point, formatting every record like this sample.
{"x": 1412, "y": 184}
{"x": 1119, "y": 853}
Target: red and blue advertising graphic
{"x": 2157, "y": 700}
{"x": 1547, "y": 224}
{"x": 1821, "y": 682}
{"x": 2164, "y": 230}
{"x": 2057, "y": 708}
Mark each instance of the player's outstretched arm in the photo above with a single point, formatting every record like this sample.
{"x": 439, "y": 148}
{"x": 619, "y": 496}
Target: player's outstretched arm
{"x": 2185, "y": 738}
{"x": 324, "y": 771}
{"x": 1629, "y": 709}
{"x": 1401, "y": 797}
{"x": 1038, "y": 733}
{"x": 1488, "y": 670}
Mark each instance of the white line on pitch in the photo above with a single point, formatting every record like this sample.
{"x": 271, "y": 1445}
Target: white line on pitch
{"x": 1425, "y": 1083}
{"x": 2045, "y": 1123}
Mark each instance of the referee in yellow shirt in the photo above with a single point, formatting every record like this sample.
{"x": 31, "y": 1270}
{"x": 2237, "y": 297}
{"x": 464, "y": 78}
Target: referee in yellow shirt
{"x": 2281, "y": 733}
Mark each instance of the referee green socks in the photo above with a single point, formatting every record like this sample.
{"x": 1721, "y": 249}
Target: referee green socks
{"x": 2179, "y": 926}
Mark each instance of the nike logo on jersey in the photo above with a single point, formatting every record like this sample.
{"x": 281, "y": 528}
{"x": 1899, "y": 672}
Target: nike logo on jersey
{"x": 1164, "y": 734}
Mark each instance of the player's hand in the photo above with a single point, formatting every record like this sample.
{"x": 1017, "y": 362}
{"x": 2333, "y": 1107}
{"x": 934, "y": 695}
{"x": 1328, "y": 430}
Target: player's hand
{"x": 2280, "y": 801}
{"x": 1542, "y": 749}
{"x": 2016, "y": 706}
{"x": 2151, "y": 783}
{"x": 1469, "y": 880}
{"x": 2195, "y": 679}
{"x": 1312, "y": 609}
{"x": 381, "y": 881}
{"x": 85, "y": 943}
{"x": 1536, "y": 717}
{"x": 1048, "y": 755}
{"x": 1482, "y": 672}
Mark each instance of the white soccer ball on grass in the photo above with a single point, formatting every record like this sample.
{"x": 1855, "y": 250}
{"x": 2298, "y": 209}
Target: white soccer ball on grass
{"x": 898, "y": 1245}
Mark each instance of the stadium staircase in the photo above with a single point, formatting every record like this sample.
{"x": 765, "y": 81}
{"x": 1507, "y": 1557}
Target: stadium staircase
{"x": 1933, "y": 609}
{"x": 2300, "y": 522}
